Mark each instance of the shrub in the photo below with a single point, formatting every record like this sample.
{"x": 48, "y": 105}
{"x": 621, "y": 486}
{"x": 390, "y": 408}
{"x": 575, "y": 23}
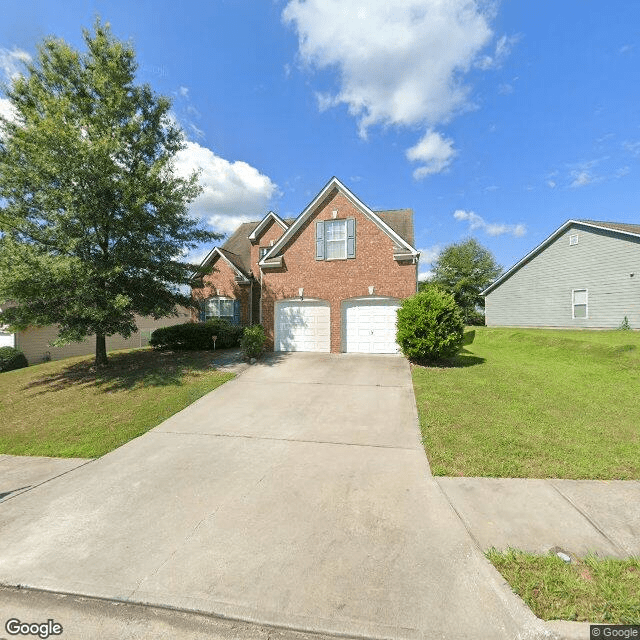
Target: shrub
{"x": 196, "y": 336}
{"x": 624, "y": 325}
{"x": 430, "y": 326}
{"x": 475, "y": 318}
{"x": 228, "y": 335}
{"x": 252, "y": 342}
{"x": 11, "y": 359}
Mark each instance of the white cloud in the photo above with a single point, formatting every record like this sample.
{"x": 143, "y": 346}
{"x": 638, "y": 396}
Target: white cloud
{"x": 504, "y": 46}
{"x": 581, "y": 178}
{"x": 427, "y": 257}
{"x": 434, "y": 152}
{"x": 183, "y": 91}
{"x": 490, "y": 228}
{"x": 399, "y": 62}
{"x": 408, "y": 71}
{"x": 551, "y": 184}
{"x": 234, "y": 192}
{"x": 11, "y": 62}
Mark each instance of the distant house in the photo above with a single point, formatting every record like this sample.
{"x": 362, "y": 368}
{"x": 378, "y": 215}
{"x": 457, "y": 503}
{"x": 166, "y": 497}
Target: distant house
{"x": 35, "y": 342}
{"x": 584, "y": 275}
{"x": 329, "y": 280}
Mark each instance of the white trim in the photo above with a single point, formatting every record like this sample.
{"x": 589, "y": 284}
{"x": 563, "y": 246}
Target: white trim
{"x": 574, "y": 239}
{"x": 548, "y": 241}
{"x": 209, "y": 259}
{"x": 573, "y": 304}
{"x": 263, "y": 223}
{"x": 335, "y": 183}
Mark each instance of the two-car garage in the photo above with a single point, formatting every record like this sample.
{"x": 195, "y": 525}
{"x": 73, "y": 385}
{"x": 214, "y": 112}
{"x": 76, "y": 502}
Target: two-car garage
{"x": 368, "y": 325}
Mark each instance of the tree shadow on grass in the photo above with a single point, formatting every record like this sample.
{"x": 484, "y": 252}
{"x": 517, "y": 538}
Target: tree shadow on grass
{"x": 460, "y": 361}
{"x": 128, "y": 370}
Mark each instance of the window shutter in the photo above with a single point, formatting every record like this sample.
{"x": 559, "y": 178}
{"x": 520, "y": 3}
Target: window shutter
{"x": 320, "y": 240}
{"x": 236, "y": 312}
{"x": 351, "y": 237}
{"x": 202, "y": 310}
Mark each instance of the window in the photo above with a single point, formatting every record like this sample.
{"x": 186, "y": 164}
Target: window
{"x": 219, "y": 308}
{"x": 580, "y": 303}
{"x": 263, "y": 252}
{"x": 336, "y": 239}
{"x": 573, "y": 239}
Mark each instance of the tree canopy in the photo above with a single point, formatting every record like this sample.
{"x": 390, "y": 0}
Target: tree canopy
{"x": 465, "y": 269}
{"x": 93, "y": 217}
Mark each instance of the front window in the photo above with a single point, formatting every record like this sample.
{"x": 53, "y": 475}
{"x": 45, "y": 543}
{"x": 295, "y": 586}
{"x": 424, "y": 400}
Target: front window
{"x": 580, "y": 303}
{"x": 219, "y": 308}
{"x": 336, "y": 239}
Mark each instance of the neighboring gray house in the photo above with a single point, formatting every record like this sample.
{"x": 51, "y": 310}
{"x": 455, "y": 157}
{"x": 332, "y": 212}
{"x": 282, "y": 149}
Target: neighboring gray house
{"x": 584, "y": 275}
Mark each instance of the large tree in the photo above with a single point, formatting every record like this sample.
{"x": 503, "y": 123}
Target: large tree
{"x": 93, "y": 217}
{"x": 465, "y": 270}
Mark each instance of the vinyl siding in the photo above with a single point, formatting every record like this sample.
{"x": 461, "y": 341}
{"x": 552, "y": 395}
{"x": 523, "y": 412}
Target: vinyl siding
{"x": 539, "y": 294}
{"x": 35, "y": 342}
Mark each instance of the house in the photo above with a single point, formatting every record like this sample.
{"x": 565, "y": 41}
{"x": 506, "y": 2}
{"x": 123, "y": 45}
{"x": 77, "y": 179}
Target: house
{"x": 35, "y": 342}
{"x": 329, "y": 280}
{"x": 586, "y": 274}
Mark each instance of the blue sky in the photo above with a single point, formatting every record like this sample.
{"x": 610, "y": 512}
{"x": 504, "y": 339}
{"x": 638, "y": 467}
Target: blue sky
{"x": 496, "y": 120}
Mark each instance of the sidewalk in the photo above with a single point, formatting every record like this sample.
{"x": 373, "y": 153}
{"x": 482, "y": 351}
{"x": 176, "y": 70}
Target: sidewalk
{"x": 579, "y": 516}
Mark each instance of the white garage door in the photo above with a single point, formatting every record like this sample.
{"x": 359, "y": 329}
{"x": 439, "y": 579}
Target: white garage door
{"x": 302, "y": 326}
{"x": 370, "y": 326}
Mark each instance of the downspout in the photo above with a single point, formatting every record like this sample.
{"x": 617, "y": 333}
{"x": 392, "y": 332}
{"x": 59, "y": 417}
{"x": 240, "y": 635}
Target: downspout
{"x": 251, "y": 301}
{"x": 260, "y": 306}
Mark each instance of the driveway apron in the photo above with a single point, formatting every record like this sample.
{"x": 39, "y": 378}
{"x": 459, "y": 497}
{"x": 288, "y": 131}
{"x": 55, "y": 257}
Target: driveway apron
{"x": 296, "y": 495}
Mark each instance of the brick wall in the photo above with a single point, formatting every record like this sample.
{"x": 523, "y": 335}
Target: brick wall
{"x": 222, "y": 279}
{"x": 336, "y": 280}
{"x": 273, "y": 232}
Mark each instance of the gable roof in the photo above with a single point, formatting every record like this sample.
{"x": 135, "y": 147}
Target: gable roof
{"x": 393, "y": 217}
{"x": 270, "y": 217}
{"x": 401, "y": 221}
{"x": 632, "y": 230}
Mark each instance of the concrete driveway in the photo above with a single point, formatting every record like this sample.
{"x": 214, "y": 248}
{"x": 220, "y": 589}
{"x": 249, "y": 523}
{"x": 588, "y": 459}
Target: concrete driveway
{"x": 296, "y": 495}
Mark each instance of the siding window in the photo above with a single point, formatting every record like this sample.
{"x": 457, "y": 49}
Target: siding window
{"x": 580, "y": 301}
{"x": 573, "y": 239}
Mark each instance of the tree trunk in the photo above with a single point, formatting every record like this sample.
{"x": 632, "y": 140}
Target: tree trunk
{"x": 101, "y": 350}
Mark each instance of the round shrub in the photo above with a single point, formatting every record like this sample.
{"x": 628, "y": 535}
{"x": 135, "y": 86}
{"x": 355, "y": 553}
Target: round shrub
{"x": 252, "y": 341}
{"x": 430, "y": 326}
{"x": 11, "y": 359}
{"x": 227, "y": 335}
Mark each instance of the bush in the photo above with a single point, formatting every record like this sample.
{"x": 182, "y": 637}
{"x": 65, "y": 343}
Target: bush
{"x": 196, "y": 336}
{"x": 228, "y": 335}
{"x": 475, "y": 319}
{"x": 430, "y": 326}
{"x": 624, "y": 325}
{"x": 11, "y": 359}
{"x": 252, "y": 342}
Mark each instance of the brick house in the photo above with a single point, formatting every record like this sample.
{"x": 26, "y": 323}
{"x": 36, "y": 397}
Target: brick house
{"x": 329, "y": 280}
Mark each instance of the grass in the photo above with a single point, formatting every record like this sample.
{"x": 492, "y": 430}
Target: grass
{"x": 69, "y": 409}
{"x": 534, "y": 403}
{"x": 597, "y": 590}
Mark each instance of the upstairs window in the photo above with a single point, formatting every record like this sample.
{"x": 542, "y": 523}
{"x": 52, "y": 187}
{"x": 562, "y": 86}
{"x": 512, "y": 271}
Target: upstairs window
{"x": 336, "y": 239}
{"x": 263, "y": 252}
{"x": 580, "y": 303}
{"x": 573, "y": 239}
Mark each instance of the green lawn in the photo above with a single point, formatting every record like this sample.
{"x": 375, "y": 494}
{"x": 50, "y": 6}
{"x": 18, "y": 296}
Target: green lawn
{"x": 597, "y": 590}
{"x": 68, "y": 409}
{"x": 535, "y": 403}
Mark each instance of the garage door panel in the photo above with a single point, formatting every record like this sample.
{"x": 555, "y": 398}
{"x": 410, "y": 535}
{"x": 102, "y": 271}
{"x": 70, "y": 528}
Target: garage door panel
{"x": 302, "y": 326}
{"x": 370, "y": 326}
